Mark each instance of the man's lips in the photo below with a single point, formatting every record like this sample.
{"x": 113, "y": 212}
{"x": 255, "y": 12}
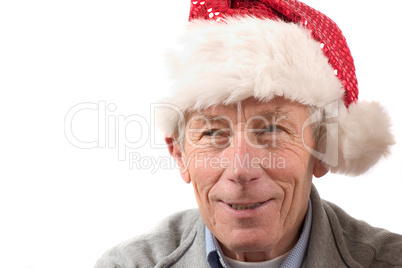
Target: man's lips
{"x": 242, "y": 207}
{"x": 245, "y": 205}
{"x": 247, "y": 209}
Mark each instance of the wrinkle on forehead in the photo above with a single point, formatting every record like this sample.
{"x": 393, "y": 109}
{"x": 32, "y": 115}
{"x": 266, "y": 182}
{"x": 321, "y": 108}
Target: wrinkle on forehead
{"x": 273, "y": 109}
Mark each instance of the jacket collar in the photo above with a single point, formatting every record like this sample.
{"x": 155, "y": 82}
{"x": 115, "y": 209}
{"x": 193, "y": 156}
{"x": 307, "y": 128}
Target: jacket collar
{"x": 327, "y": 246}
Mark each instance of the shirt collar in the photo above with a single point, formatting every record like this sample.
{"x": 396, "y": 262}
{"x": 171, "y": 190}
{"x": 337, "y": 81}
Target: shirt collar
{"x": 294, "y": 259}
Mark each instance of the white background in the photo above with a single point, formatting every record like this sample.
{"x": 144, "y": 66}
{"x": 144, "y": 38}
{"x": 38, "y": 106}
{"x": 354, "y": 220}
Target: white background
{"x": 62, "y": 206}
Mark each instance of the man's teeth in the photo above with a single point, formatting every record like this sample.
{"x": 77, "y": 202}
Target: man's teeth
{"x": 241, "y": 207}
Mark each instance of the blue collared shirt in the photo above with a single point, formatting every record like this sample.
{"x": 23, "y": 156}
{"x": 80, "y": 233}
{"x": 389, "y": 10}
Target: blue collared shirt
{"x": 293, "y": 260}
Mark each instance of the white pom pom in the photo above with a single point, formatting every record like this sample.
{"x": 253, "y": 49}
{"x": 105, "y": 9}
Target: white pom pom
{"x": 364, "y": 137}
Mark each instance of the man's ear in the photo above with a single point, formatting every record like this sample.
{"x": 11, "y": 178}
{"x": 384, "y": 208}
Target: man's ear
{"x": 177, "y": 153}
{"x": 320, "y": 168}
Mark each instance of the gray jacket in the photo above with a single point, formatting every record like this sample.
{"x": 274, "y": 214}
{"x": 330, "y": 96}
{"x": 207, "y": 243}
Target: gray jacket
{"x": 336, "y": 240}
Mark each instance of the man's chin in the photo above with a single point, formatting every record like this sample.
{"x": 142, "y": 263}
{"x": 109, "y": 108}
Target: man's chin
{"x": 249, "y": 241}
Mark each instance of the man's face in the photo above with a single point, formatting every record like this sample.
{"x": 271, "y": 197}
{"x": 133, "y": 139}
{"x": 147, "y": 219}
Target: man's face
{"x": 251, "y": 173}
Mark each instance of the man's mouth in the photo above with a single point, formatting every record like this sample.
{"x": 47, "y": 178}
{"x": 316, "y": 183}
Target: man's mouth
{"x": 242, "y": 207}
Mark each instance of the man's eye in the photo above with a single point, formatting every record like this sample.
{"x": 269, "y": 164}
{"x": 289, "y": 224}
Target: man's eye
{"x": 272, "y": 128}
{"x": 211, "y": 132}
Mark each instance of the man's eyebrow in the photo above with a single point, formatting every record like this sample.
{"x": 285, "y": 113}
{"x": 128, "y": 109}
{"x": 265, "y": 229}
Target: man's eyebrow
{"x": 214, "y": 117}
{"x": 275, "y": 113}
{"x": 202, "y": 119}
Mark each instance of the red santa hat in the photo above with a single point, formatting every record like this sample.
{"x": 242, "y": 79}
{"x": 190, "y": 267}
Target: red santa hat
{"x": 236, "y": 49}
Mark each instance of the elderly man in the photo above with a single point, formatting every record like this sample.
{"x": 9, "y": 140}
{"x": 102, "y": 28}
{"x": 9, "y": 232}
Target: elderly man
{"x": 265, "y": 99}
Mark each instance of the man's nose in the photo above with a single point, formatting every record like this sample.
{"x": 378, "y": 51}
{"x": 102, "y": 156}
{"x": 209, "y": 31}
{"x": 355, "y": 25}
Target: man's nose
{"x": 244, "y": 165}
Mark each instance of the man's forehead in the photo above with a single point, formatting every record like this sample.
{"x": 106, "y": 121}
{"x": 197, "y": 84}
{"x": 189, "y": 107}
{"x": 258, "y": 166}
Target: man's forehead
{"x": 246, "y": 109}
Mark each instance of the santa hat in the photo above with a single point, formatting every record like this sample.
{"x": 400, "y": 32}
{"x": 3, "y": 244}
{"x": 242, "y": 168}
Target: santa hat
{"x": 233, "y": 50}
